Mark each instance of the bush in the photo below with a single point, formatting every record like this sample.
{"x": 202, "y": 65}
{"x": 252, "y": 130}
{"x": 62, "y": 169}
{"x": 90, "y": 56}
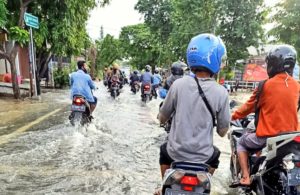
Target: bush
{"x": 62, "y": 78}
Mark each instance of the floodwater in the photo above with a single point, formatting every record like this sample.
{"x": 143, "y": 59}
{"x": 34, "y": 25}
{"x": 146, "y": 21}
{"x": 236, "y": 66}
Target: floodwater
{"x": 116, "y": 154}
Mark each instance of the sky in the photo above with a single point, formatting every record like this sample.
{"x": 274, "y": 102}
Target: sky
{"x": 117, "y": 14}
{"x": 113, "y": 17}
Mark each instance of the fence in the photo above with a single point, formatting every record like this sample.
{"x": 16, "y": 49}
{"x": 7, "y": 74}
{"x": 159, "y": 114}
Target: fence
{"x": 242, "y": 85}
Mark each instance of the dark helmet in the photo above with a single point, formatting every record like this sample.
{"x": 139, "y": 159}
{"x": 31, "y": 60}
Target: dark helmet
{"x": 281, "y": 58}
{"x": 178, "y": 68}
{"x": 135, "y": 72}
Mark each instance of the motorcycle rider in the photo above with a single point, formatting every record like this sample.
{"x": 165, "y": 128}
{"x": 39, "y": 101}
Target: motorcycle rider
{"x": 146, "y": 78}
{"x": 156, "y": 82}
{"x": 275, "y": 106}
{"x": 82, "y": 84}
{"x": 134, "y": 78}
{"x": 116, "y": 75}
{"x": 191, "y": 136}
{"x": 177, "y": 72}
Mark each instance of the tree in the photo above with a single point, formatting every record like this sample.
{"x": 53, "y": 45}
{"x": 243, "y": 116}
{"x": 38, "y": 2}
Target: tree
{"x": 287, "y": 23}
{"x": 157, "y": 16}
{"x": 175, "y": 22}
{"x": 240, "y": 26}
{"x": 190, "y": 18}
{"x": 3, "y": 12}
{"x": 108, "y": 51}
{"x": 15, "y": 22}
{"x": 139, "y": 45}
{"x": 62, "y": 29}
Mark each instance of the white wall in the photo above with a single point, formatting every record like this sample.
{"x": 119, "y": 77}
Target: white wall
{"x": 2, "y": 67}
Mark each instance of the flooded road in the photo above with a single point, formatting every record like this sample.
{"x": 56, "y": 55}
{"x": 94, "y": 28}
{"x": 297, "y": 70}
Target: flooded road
{"x": 116, "y": 154}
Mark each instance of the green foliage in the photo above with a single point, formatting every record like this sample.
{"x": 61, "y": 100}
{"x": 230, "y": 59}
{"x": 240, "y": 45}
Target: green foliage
{"x": 62, "y": 25}
{"x": 108, "y": 51}
{"x": 139, "y": 45}
{"x": 240, "y": 26}
{"x": 61, "y": 77}
{"x": 3, "y": 12}
{"x": 19, "y": 35}
{"x": 190, "y": 18}
{"x": 287, "y": 23}
{"x": 175, "y": 22}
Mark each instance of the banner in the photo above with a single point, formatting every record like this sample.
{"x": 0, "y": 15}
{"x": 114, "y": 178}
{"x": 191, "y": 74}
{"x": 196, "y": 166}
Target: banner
{"x": 254, "y": 72}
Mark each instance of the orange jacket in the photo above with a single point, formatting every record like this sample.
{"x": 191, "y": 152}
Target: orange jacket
{"x": 278, "y": 106}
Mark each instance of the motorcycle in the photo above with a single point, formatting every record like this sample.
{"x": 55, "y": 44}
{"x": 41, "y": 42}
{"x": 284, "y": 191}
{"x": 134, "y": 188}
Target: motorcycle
{"x": 115, "y": 87}
{"x": 146, "y": 96}
{"x": 80, "y": 111}
{"x": 275, "y": 169}
{"x": 186, "y": 178}
{"x": 135, "y": 87}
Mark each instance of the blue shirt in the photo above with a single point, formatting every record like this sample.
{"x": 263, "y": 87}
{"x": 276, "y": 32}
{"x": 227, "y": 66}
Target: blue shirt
{"x": 82, "y": 84}
{"x": 156, "y": 79}
{"x": 147, "y": 78}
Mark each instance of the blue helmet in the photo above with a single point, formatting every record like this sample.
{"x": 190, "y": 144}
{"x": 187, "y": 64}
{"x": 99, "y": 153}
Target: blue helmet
{"x": 162, "y": 93}
{"x": 206, "y": 50}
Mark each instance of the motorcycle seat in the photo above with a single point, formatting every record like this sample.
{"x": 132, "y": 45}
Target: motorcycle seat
{"x": 190, "y": 166}
{"x": 79, "y": 96}
{"x": 238, "y": 132}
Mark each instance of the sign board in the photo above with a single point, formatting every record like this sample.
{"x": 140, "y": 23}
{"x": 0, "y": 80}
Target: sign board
{"x": 31, "y": 20}
{"x": 254, "y": 72}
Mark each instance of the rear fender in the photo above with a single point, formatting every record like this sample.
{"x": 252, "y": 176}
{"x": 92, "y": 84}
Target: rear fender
{"x": 274, "y": 143}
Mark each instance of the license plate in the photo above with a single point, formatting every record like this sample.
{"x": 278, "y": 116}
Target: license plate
{"x": 147, "y": 92}
{"x": 170, "y": 191}
{"x": 78, "y": 108}
{"x": 294, "y": 177}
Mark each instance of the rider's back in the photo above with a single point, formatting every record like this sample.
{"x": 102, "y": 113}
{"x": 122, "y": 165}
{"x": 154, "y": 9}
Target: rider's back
{"x": 146, "y": 78}
{"x": 278, "y": 103}
{"x": 81, "y": 84}
{"x": 191, "y": 135}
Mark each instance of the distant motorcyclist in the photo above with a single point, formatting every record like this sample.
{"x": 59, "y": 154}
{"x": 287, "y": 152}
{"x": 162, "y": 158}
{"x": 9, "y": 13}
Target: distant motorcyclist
{"x": 116, "y": 75}
{"x": 82, "y": 84}
{"x": 177, "y": 70}
{"x": 146, "y": 78}
{"x": 134, "y": 77}
{"x": 156, "y": 82}
{"x": 275, "y": 104}
{"x": 191, "y": 135}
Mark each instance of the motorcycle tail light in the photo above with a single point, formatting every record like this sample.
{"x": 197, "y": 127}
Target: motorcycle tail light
{"x": 189, "y": 180}
{"x": 297, "y": 164}
{"x": 297, "y": 139}
{"x": 147, "y": 87}
{"x": 78, "y": 101}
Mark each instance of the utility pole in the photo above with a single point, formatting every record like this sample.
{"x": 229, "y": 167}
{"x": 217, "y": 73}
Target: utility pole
{"x": 33, "y": 22}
